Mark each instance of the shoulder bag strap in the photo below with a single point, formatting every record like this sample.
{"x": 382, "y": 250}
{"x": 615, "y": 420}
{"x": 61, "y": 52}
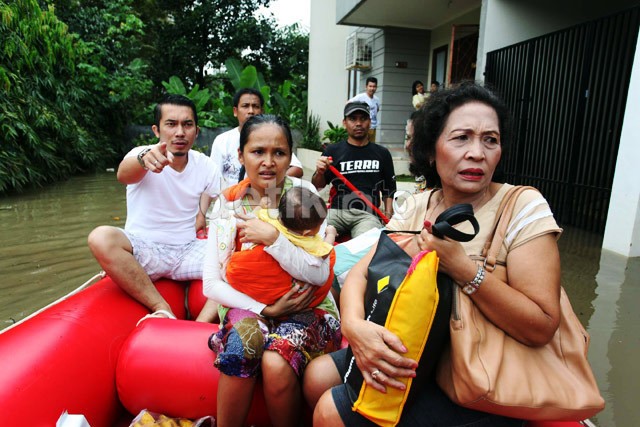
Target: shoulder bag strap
{"x": 501, "y": 222}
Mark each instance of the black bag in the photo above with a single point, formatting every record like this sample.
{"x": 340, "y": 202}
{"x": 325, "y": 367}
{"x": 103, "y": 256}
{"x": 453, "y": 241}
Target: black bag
{"x": 391, "y": 261}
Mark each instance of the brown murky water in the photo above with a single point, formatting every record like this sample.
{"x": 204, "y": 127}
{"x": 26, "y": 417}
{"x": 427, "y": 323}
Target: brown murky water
{"x": 44, "y": 255}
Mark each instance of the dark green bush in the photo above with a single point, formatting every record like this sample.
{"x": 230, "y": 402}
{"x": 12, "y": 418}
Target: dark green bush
{"x": 335, "y": 133}
{"x": 311, "y": 133}
{"x": 42, "y": 138}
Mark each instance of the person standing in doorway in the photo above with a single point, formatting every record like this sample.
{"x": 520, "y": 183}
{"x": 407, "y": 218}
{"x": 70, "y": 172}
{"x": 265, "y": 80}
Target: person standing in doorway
{"x": 418, "y": 95}
{"x": 369, "y": 97}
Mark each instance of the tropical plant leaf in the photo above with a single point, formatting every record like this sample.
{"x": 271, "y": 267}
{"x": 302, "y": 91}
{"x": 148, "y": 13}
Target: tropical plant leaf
{"x": 175, "y": 85}
{"x": 234, "y": 71}
{"x": 249, "y": 77}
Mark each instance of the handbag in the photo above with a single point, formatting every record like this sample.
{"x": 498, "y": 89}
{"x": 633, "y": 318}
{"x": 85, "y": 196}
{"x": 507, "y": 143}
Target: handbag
{"x": 487, "y": 370}
{"x": 412, "y": 300}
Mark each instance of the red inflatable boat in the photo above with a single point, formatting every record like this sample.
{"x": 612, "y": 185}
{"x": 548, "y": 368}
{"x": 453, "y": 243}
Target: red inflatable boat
{"x": 85, "y": 355}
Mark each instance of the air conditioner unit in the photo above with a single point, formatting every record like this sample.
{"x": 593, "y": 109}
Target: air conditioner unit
{"x": 358, "y": 52}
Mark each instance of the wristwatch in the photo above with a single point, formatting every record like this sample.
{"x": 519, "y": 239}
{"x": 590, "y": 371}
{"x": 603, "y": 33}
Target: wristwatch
{"x": 141, "y": 155}
{"x": 471, "y": 287}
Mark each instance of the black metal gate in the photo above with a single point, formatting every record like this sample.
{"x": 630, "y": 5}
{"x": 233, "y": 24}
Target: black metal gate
{"x": 567, "y": 91}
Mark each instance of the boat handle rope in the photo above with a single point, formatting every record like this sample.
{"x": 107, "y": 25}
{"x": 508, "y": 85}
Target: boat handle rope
{"x": 359, "y": 193}
{"x": 97, "y": 276}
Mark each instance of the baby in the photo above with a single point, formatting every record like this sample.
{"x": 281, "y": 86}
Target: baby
{"x": 299, "y": 218}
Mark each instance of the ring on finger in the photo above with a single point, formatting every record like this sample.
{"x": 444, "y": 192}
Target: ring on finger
{"x": 155, "y": 163}
{"x": 375, "y": 373}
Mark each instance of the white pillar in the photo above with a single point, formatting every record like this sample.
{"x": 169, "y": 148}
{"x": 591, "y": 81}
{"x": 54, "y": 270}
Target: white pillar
{"x": 622, "y": 232}
{"x": 327, "y": 78}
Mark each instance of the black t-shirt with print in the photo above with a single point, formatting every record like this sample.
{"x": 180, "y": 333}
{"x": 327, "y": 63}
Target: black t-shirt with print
{"x": 368, "y": 168}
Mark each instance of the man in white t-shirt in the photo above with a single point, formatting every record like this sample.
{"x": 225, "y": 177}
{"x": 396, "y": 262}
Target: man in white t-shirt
{"x": 373, "y": 102}
{"x": 247, "y": 102}
{"x": 169, "y": 188}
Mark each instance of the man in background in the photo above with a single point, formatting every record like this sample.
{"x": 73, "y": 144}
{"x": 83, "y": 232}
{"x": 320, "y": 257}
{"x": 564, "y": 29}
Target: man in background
{"x": 247, "y": 102}
{"x": 369, "y": 97}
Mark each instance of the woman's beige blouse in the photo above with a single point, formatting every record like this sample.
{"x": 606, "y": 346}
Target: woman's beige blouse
{"x": 532, "y": 217}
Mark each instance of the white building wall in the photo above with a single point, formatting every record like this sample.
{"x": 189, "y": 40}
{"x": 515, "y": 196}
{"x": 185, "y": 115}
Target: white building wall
{"x": 622, "y": 233}
{"x": 327, "y": 75}
{"x": 505, "y": 23}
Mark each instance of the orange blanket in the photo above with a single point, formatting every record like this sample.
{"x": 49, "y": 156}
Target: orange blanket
{"x": 257, "y": 274}
{"x": 237, "y": 191}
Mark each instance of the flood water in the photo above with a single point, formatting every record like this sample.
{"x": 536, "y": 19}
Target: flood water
{"x": 44, "y": 255}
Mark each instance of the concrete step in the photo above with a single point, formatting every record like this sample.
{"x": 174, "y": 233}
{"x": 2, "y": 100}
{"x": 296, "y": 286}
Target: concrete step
{"x": 401, "y": 166}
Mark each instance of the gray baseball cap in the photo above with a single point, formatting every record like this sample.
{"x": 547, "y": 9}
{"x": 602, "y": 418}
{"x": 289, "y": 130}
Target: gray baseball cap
{"x": 352, "y": 107}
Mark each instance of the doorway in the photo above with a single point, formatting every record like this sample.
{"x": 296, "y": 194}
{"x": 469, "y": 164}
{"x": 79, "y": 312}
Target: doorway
{"x": 464, "y": 51}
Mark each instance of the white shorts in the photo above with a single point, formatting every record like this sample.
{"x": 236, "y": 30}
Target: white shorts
{"x": 177, "y": 262}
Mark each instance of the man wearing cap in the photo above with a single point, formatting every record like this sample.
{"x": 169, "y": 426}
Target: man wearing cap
{"x": 366, "y": 165}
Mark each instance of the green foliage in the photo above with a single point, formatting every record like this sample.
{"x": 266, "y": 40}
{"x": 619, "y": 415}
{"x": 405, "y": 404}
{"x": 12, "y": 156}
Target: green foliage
{"x": 41, "y": 115}
{"x": 110, "y": 68}
{"x": 191, "y": 38}
{"x": 311, "y": 133}
{"x": 74, "y": 74}
{"x": 335, "y": 133}
{"x": 290, "y": 104}
{"x": 215, "y": 108}
{"x": 283, "y": 55}
{"x": 144, "y": 139}
{"x": 285, "y": 101}
{"x": 202, "y": 98}
{"x": 241, "y": 77}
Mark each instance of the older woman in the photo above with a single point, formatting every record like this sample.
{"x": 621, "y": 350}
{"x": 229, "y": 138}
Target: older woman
{"x": 457, "y": 144}
{"x": 276, "y": 340}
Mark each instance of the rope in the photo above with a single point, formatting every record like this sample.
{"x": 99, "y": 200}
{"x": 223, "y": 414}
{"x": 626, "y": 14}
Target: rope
{"x": 353, "y": 188}
{"x": 100, "y": 275}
